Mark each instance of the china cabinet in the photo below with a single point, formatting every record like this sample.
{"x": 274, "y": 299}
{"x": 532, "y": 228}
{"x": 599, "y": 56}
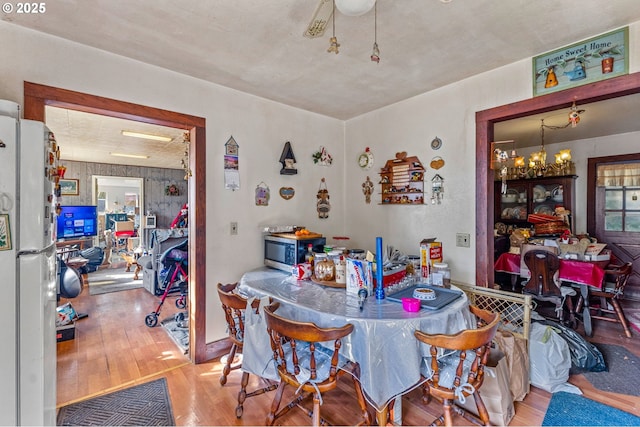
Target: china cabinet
{"x": 402, "y": 181}
{"x": 534, "y": 196}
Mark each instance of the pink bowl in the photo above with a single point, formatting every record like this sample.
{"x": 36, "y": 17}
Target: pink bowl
{"x": 411, "y": 304}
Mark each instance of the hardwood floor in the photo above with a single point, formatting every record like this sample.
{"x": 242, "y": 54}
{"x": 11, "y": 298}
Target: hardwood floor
{"x": 113, "y": 348}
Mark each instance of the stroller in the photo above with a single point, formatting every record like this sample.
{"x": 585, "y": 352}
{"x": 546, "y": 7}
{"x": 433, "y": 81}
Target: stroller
{"x": 174, "y": 278}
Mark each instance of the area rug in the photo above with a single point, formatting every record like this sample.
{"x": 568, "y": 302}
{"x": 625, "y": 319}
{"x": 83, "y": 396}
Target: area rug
{"x": 568, "y": 409}
{"x": 622, "y": 365}
{"x": 146, "y": 404}
{"x": 178, "y": 330}
{"x": 633, "y": 317}
{"x": 112, "y": 280}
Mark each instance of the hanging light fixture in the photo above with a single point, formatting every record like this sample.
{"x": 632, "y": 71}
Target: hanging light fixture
{"x": 354, "y": 7}
{"x": 537, "y": 160}
{"x": 333, "y": 41}
{"x": 375, "y": 54}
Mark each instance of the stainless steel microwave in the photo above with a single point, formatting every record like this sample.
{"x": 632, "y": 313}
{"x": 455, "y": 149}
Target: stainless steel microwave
{"x": 285, "y": 252}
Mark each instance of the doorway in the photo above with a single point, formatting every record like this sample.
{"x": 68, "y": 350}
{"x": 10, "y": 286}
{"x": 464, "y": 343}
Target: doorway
{"x": 613, "y": 215}
{"x": 607, "y": 89}
{"x": 36, "y": 96}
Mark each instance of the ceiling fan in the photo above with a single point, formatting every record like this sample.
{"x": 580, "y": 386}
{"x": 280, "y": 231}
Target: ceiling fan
{"x": 322, "y": 15}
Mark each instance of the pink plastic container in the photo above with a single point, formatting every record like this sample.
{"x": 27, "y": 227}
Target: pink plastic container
{"x": 411, "y": 304}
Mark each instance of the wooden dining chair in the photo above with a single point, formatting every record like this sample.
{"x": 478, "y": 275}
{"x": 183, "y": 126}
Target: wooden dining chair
{"x": 544, "y": 284}
{"x": 234, "y": 307}
{"x": 311, "y": 368}
{"x": 615, "y": 280}
{"x": 454, "y": 367}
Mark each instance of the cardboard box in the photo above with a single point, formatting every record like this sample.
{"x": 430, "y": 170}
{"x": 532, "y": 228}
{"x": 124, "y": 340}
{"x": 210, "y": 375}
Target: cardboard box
{"x": 66, "y": 332}
{"x": 604, "y": 255}
{"x": 430, "y": 253}
{"x": 123, "y": 226}
{"x": 359, "y": 276}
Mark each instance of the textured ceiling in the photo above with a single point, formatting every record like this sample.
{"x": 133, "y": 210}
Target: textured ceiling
{"x": 257, "y": 46}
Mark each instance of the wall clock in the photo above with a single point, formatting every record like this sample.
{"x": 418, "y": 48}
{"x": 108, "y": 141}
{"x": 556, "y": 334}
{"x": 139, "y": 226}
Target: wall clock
{"x": 436, "y": 143}
{"x": 365, "y": 159}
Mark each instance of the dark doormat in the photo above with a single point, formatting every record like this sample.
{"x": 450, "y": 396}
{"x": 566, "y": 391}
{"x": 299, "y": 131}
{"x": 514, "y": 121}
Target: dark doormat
{"x": 623, "y": 368}
{"x": 567, "y": 409}
{"x": 146, "y": 404}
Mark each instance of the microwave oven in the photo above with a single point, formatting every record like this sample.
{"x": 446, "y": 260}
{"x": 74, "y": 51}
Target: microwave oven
{"x": 285, "y": 252}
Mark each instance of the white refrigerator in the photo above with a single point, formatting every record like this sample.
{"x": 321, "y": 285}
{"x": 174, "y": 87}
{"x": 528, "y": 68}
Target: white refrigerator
{"x": 28, "y": 270}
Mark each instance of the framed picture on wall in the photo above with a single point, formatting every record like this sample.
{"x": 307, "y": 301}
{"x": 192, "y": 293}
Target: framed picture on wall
{"x": 69, "y": 187}
{"x": 5, "y": 233}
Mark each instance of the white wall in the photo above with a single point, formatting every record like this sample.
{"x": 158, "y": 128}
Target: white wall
{"x": 260, "y": 128}
{"x": 449, "y": 113}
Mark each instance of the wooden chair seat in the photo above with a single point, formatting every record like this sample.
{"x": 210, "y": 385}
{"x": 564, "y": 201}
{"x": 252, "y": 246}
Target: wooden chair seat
{"x": 604, "y": 304}
{"x": 312, "y": 369}
{"x": 453, "y": 367}
{"x": 234, "y": 307}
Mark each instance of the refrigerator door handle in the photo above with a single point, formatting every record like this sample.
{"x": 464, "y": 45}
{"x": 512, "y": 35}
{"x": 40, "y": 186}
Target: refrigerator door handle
{"x": 48, "y": 251}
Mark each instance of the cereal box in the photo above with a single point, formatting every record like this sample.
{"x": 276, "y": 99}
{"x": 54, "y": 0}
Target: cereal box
{"x": 430, "y": 253}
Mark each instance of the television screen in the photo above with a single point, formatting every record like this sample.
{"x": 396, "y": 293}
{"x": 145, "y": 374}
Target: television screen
{"x": 77, "y": 221}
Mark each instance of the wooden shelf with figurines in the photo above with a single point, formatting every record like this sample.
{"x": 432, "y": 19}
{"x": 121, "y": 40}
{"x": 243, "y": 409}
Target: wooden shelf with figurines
{"x": 402, "y": 181}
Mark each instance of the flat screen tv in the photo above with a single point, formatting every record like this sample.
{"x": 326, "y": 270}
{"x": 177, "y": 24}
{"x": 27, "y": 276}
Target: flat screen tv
{"x": 77, "y": 221}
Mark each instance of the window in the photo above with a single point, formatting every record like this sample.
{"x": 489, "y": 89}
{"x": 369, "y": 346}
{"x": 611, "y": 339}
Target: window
{"x": 621, "y": 196}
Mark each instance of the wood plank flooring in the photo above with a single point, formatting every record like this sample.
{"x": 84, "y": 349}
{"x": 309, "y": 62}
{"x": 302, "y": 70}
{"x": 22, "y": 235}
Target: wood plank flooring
{"x": 113, "y": 348}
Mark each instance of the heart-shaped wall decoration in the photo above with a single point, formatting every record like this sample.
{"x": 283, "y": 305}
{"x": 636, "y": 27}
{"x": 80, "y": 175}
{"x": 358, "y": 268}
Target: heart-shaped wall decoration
{"x": 287, "y": 192}
{"x": 437, "y": 163}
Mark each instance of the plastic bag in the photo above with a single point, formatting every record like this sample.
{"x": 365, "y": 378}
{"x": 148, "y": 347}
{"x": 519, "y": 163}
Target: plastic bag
{"x": 550, "y": 360}
{"x": 257, "y": 357}
{"x": 585, "y": 357}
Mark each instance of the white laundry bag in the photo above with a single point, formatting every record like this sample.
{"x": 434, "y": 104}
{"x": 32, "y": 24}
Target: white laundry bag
{"x": 550, "y": 360}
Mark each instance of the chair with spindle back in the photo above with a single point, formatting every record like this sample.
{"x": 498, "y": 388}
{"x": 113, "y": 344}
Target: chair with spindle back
{"x": 453, "y": 368}
{"x": 234, "y": 307}
{"x": 308, "y": 366}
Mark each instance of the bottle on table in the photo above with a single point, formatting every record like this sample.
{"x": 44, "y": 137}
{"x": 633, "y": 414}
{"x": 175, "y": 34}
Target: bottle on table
{"x": 308, "y": 257}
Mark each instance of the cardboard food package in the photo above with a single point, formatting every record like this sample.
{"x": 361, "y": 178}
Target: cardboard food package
{"x": 359, "y": 276}
{"x": 495, "y": 391}
{"x": 430, "y": 253}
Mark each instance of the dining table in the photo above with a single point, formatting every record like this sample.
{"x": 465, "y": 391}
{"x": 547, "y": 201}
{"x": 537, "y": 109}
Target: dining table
{"x": 583, "y": 274}
{"x": 383, "y": 340}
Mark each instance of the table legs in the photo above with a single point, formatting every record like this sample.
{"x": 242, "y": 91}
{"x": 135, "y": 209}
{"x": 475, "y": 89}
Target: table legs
{"x": 382, "y": 416}
{"x": 586, "y": 312}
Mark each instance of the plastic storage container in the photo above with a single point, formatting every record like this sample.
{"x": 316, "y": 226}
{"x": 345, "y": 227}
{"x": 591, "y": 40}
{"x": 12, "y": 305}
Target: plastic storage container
{"x": 441, "y": 274}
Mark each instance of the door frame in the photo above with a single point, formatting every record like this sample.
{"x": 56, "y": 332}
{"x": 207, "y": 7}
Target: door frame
{"x": 606, "y": 89}
{"x": 36, "y": 96}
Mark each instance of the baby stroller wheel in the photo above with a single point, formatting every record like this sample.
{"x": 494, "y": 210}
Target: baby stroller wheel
{"x": 181, "y": 302}
{"x": 151, "y": 320}
{"x": 180, "y": 317}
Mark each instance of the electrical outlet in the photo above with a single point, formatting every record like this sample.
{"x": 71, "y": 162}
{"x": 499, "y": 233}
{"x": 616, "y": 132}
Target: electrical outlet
{"x": 234, "y": 228}
{"x": 463, "y": 240}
